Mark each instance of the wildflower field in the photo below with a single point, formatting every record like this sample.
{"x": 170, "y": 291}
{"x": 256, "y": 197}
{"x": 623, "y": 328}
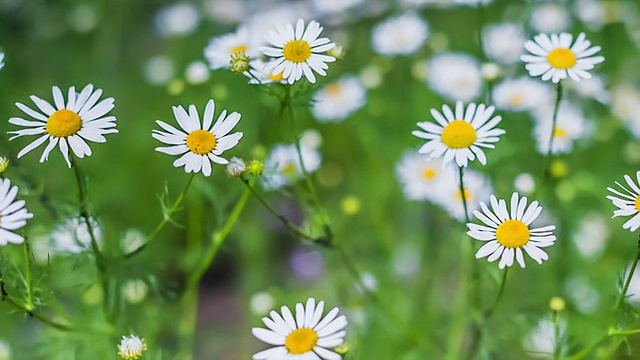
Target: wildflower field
{"x": 320, "y": 179}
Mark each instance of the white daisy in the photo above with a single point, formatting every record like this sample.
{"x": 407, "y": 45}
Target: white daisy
{"x": 1, "y": 60}
{"x": 221, "y": 48}
{"x": 584, "y": 296}
{"x": 73, "y": 236}
{"x": 196, "y": 73}
{"x": 456, "y": 77}
{"x": 177, "y": 19}
{"x": 400, "y": 35}
{"x": 282, "y": 164}
{"x": 13, "y": 214}
{"x": 307, "y": 336}
{"x": 198, "y": 144}
{"x": 592, "y": 235}
{"x": 541, "y": 341}
{"x": 507, "y": 234}
{"x": 626, "y": 106}
{"x": 521, "y": 94}
{"x": 336, "y": 101}
{"x": 297, "y": 52}
{"x": 549, "y": 17}
{"x": 421, "y": 177}
{"x": 477, "y": 188}
{"x": 69, "y": 125}
{"x": 595, "y": 88}
{"x": 627, "y": 202}
{"x": 460, "y": 136}
{"x": 131, "y": 347}
{"x": 554, "y": 57}
{"x": 503, "y": 42}
{"x": 570, "y": 126}
{"x": 262, "y": 73}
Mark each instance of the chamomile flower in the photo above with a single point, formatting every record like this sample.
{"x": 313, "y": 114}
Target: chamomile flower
{"x": 477, "y": 187}
{"x": 570, "y": 127}
{"x": 199, "y": 145}
{"x": 400, "y": 35}
{"x": 297, "y": 52}
{"x": 627, "y": 201}
{"x": 221, "y": 48}
{"x": 336, "y": 101}
{"x": 503, "y": 42}
{"x": 421, "y": 177}
{"x": 460, "y": 136}
{"x": 306, "y": 336}
{"x": 131, "y": 347}
{"x": 73, "y": 236}
{"x": 262, "y": 73}
{"x": 521, "y": 94}
{"x": 67, "y": 125}
{"x": 13, "y": 214}
{"x": 555, "y": 56}
{"x": 508, "y": 233}
{"x": 282, "y": 164}
{"x": 456, "y": 77}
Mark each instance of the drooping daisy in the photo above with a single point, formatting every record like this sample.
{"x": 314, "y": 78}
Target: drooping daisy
{"x": 73, "y": 236}
{"x": 69, "y": 125}
{"x": 221, "y": 48}
{"x": 627, "y": 201}
{"x": 421, "y": 177}
{"x": 297, "y": 52}
{"x": 199, "y": 144}
{"x": 282, "y": 164}
{"x": 400, "y": 35}
{"x": 460, "y": 136}
{"x": 554, "y": 57}
{"x": 13, "y": 214}
{"x": 507, "y": 233}
{"x": 336, "y": 101}
{"x": 307, "y": 336}
{"x": 131, "y": 347}
{"x": 570, "y": 127}
{"x": 456, "y": 77}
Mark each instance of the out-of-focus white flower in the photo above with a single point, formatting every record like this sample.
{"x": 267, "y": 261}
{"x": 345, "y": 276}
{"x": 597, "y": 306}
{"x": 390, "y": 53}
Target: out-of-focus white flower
{"x": 311, "y": 138}
{"x": 633, "y": 293}
{"x": 400, "y": 35}
{"x": 132, "y": 240}
{"x": 406, "y": 261}
{"x": 524, "y": 183}
{"x": 225, "y": 11}
{"x": 336, "y": 101}
{"x": 83, "y": 18}
{"x": 490, "y": 71}
{"x": 159, "y": 70}
{"x": 590, "y": 12}
{"x": 477, "y": 188}
{"x": 504, "y": 42}
{"x": 522, "y": 94}
{"x": 135, "y": 291}
{"x": 420, "y": 176}
{"x": 541, "y": 341}
{"x": 455, "y": 76}
{"x": 334, "y": 7}
{"x": 261, "y": 303}
{"x": 371, "y": 76}
{"x": 196, "y": 73}
{"x": 591, "y": 237}
{"x": 177, "y": 19}
{"x": 583, "y": 295}
{"x": 626, "y": 105}
{"x": 221, "y": 49}
{"x": 236, "y": 167}
{"x": 442, "y": 3}
{"x": 73, "y": 236}
{"x": 594, "y": 88}
{"x": 570, "y": 126}
{"x": 550, "y": 17}
{"x": 282, "y": 165}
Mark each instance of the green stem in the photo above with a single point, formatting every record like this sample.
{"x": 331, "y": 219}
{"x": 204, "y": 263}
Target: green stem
{"x": 627, "y": 282}
{"x": 166, "y": 217}
{"x": 624, "y": 332}
{"x": 586, "y": 351}
{"x": 548, "y": 155}
{"x": 291, "y": 226}
{"x": 463, "y": 193}
{"x": 29, "y": 284}
{"x": 83, "y": 195}
{"x": 492, "y": 308}
{"x": 557, "y": 348}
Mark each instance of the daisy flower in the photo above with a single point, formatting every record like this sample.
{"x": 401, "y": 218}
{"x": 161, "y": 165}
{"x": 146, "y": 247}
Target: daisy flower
{"x": 69, "y": 125}
{"x": 262, "y": 73}
{"x": 296, "y": 52}
{"x": 503, "y": 42}
{"x": 282, "y": 164}
{"x": 336, "y": 101}
{"x": 627, "y": 202}
{"x": 521, "y": 94}
{"x": 221, "y": 48}
{"x": 454, "y": 76}
{"x": 508, "y": 233}
{"x": 554, "y": 57}
{"x": 570, "y": 127}
{"x": 477, "y": 187}
{"x": 131, "y": 347}
{"x": 460, "y": 136}
{"x": 198, "y": 144}
{"x": 307, "y": 336}
{"x": 400, "y": 35}
{"x": 13, "y": 214}
{"x": 421, "y": 177}
{"x": 73, "y": 236}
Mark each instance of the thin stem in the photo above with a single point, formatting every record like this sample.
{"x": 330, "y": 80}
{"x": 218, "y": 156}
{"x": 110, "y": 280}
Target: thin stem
{"x": 624, "y": 332}
{"x": 556, "y": 107}
{"x": 492, "y": 308}
{"x": 586, "y": 351}
{"x": 627, "y": 282}
{"x": 463, "y": 193}
{"x": 557, "y": 347}
{"x": 291, "y": 226}
{"x": 28, "y": 281}
{"x": 43, "y": 319}
{"x": 166, "y": 217}
{"x": 83, "y": 196}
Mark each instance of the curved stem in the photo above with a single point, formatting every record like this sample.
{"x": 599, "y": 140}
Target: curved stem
{"x": 166, "y": 217}
{"x": 554, "y": 120}
{"x": 492, "y": 308}
{"x": 627, "y": 282}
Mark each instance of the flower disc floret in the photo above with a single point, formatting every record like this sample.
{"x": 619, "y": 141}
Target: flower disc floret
{"x": 562, "y": 58}
{"x": 301, "y": 341}
{"x": 458, "y": 134}
{"x": 512, "y": 234}
{"x": 63, "y": 123}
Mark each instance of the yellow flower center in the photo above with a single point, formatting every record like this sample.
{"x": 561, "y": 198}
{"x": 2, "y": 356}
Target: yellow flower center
{"x": 63, "y": 123}
{"x": 238, "y": 49}
{"x": 562, "y": 58}
{"x": 276, "y": 77}
{"x": 558, "y": 132}
{"x": 301, "y": 341}
{"x": 333, "y": 89}
{"x": 201, "y": 142}
{"x": 458, "y": 134}
{"x": 289, "y": 169}
{"x": 467, "y": 195}
{"x": 512, "y": 234}
{"x": 637, "y": 203}
{"x": 297, "y": 51}
{"x": 516, "y": 100}
{"x": 429, "y": 173}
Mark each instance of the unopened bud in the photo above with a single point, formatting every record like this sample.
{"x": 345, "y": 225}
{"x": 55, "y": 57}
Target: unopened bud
{"x": 239, "y": 63}
{"x": 236, "y": 167}
{"x": 556, "y": 303}
{"x": 4, "y": 164}
{"x": 337, "y": 52}
{"x": 255, "y": 167}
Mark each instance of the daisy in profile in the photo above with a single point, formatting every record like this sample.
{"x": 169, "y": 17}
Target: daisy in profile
{"x": 555, "y": 56}
{"x": 221, "y": 48}
{"x": 306, "y": 336}
{"x": 199, "y": 144}
{"x": 296, "y": 52}
{"x": 13, "y": 214}
{"x": 460, "y": 135}
{"x": 627, "y": 201}
{"x": 68, "y": 124}
{"x": 131, "y": 347}
{"x": 400, "y": 35}
{"x": 336, "y": 101}
{"x": 507, "y": 234}
{"x": 262, "y": 73}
